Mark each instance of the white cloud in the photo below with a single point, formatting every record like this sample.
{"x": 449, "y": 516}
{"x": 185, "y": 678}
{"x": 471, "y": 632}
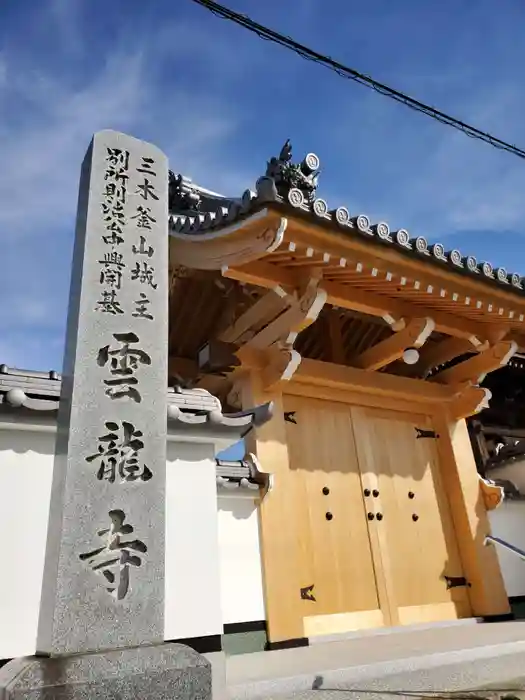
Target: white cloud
{"x": 43, "y": 151}
{"x": 41, "y": 156}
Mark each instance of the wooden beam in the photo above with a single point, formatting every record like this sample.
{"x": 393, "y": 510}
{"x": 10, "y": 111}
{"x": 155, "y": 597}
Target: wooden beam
{"x": 414, "y": 335}
{"x": 335, "y": 332}
{"x": 497, "y": 333}
{"x": 279, "y": 517}
{"x": 437, "y": 354}
{"x": 502, "y": 431}
{"x": 481, "y": 567}
{"x": 264, "y": 310}
{"x": 474, "y": 369}
{"x": 368, "y": 302}
{"x": 326, "y": 374}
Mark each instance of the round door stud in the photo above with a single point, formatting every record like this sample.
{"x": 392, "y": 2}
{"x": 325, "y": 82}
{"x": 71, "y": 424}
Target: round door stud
{"x": 328, "y": 516}
{"x": 375, "y": 493}
{"x": 370, "y": 516}
{"x": 411, "y": 494}
{"x": 415, "y": 517}
{"x": 379, "y": 516}
{"x": 367, "y": 492}
{"x": 326, "y": 490}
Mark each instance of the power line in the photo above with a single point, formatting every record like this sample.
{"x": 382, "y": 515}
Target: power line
{"x": 346, "y": 72}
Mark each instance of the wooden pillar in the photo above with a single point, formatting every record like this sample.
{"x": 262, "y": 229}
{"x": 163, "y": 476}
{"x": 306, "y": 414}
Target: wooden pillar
{"x": 279, "y": 538}
{"x": 481, "y": 566}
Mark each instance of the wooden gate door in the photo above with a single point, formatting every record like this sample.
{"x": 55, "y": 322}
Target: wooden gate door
{"x": 409, "y": 517}
{"x": 338, "y": 585}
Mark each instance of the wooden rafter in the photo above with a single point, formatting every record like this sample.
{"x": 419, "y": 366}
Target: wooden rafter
{"x": 364, "y": 301}
{"x": 474, "y": 369}
{"x": 413, "y": 335}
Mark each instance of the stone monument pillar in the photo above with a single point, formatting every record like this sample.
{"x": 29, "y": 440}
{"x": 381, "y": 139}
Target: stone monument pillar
{"x": 102, "y": 608}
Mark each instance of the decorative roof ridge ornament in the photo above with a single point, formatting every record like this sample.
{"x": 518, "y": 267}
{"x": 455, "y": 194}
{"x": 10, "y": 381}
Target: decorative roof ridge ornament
{"x": 186, "y": 199}
{"x": 182, "y": 197}
{"x": 294, "y": 181}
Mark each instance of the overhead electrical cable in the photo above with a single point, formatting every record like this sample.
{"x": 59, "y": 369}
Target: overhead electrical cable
{"x": 346, "y": 72}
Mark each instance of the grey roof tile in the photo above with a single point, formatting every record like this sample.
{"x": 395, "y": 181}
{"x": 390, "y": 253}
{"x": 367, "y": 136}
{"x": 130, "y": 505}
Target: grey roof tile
{"x": 293, "y": 187}
{"x": 194, "y": 410}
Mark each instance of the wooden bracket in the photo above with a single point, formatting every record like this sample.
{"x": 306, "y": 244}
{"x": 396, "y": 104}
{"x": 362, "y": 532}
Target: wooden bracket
{"x": 273, "y": 365}
{"x": 271, "y": 348}
{"x": 256, "y": 317}
{"x": 470, "y": 401}
{"x": 412, "y": 335}
{"x": 282, "y": 365}
{"x": 265, "y": 479}
{"x": 433, "y": 356}
{"x": 474, "y": 370}
{"x": 302, "y": 312}
{"x": 491, "y": 493}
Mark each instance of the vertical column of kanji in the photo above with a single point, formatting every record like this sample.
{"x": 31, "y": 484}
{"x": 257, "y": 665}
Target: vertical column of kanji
{"x": 103, "y": 581}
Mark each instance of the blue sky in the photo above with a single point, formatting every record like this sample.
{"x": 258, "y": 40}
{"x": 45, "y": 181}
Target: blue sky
{"x": 220, "y": 102}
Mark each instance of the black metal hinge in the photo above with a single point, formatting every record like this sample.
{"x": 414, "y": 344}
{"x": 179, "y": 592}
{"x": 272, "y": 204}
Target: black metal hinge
{"x": 420, "y": 433}
{"x": 289, "y": 417}
{"x": 456, "y": 582}
{"x": 307, "y": 593}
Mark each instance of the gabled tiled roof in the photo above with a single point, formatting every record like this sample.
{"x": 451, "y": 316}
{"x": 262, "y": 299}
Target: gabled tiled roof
{"x": 293, "y": 187}
{"x": 193, "y": 410}
{"x": 232, "y": 475}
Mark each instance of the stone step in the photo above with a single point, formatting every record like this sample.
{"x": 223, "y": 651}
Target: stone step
{"x": 442, "y": 658}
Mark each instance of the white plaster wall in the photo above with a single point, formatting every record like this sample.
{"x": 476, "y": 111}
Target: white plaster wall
{"x": 26, "y": 466}
{"x": 508, "y": 522}
{"x": 240, "y": 559}
{"x": 193, "y": 586}
{"x": 213, "y": 569}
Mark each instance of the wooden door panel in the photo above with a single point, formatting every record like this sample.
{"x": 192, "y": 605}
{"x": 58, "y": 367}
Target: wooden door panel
{"x": 415, "y": 534}
{"x": 335, "y": 552}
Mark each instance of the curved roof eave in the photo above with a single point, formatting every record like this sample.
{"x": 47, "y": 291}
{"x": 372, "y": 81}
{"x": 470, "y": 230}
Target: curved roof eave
{"x": 290, "y": 190}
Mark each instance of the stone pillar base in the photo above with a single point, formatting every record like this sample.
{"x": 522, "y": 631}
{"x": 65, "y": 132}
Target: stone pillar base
{"x": 163, "y": 672}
